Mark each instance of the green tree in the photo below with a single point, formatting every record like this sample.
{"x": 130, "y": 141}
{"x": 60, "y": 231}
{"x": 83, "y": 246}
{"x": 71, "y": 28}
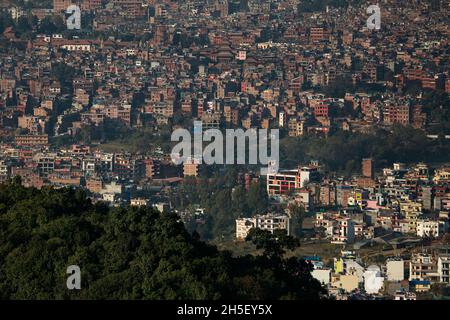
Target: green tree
{"x": 297, "y": 215}
{"x": 130, "y": 253}
{"x": 274, "y": 244}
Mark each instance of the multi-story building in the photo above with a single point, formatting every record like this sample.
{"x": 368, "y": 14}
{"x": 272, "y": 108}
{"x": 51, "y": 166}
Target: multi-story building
{"x": 343, "y": 193}
{"x": 45, "y": 163}
{"x": 4, "y": 171}
{"x": 283, "y": 182}
{"x": 423, "y": 266}
{"x": 296, "y": 127}
{"x": 61, "y": 5}
{"x": 138, "y": 202}
{"x": 412, "y": 211}
{"x": 443, "y": 268}
{"x": 305, "y": 198}
{"x": 318, "y": 34}
{"x": 426, "y": 197}
{"x": 211, "y": 120}
{"x": 393, "y": 114}
{"x": 222, "y": 7}
{"x": 190, "y": 168}
{"x": 128, "y": 167}
{"x": 131, "y": 8}
{"x": 152, "y": 168}
{"x": 368, "y": 168}
{"x": 427, "y": 228}
{"x": 270, "y": 222}
{"x": 31, "y": 140}
{"x": 327, "y": 195}
{"x": 91, "y": 4}
{"x": 94, "y": 185}
{"x": 344, "y": 232}
{"x": 442, "y": 175}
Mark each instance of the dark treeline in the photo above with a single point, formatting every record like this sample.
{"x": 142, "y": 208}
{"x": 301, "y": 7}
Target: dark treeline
{"x": 130, "y": 253}
{"x": 321, "y": 5}
{"x": 223, "y": 199}
{"x": 343, "y": 151}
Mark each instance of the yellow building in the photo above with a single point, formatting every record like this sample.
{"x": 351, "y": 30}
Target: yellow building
{"x": 338, "y": 265}
{"x": 296, "y": 127}
{"x": 442, "y": 175}
{"x": 412, "y": 211}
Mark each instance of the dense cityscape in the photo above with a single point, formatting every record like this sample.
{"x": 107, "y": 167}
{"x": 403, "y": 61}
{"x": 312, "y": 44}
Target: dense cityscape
{"x": 359, "y": 208}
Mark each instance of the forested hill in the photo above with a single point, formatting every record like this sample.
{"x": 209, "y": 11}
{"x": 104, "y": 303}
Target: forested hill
{"x": 128, "y": 253}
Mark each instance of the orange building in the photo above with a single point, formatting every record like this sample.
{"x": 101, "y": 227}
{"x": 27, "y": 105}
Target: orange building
{"x": 31, "y": 140}
{"x": 190, "y": 168}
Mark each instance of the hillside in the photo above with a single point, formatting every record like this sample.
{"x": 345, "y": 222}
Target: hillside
{"x": 126, "y": 253}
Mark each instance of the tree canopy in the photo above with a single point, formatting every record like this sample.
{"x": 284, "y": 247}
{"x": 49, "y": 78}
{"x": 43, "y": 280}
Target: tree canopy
{"x": 127, "y": 253}
{"x": 343, "y": 151}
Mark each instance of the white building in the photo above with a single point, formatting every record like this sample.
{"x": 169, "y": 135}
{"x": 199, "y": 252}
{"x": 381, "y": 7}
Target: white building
{"x": 353, "y": 267}
{"x": 4, "y": 169}
{"x": 77, "y": 45}
{"x": 395, "y": 270}
{"x": 323, "y": 221}
{"x": 344, "y": 232}
{"x": 112, "y": 188}
{"x": 403, "y": 295}
{"x": 138, "y": 202}
{"x": 109, "y": 197}
{"x": 443, "y": 269}
{"x": 281, "y": 119}
{"x": 427, "y": 228}
{"x": 16, "y": 12}
{"x": 373, "y": 281}
{"x": 322, "y": 275}
{"x": 243, "y": 226}
{"x": 304, "y": 197}
{"x": 307, "y": 174}
{"x": 270, "y": 222}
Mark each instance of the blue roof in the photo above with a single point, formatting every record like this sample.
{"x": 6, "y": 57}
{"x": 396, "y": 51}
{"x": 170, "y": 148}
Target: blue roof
{"x": 312, "y": 258}
{"x": 416, "y": 282}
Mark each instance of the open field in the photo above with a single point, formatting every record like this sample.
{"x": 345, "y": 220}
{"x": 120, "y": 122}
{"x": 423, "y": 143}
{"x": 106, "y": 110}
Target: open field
{"x": 322, "y": 248}
{"x": 115, "y": 146}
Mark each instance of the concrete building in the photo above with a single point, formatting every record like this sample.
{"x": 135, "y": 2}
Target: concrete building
{"x": 283, "y": 182}
{"x": 405, "y": 295}
{"x": 286, "y": 181}
{"x": 412, "y": 211}
{"x": 427, "y": 228}
{"x": 346, "y": 282}
{"x": 395, "y": 270}
{"x": 323, "y": 275}
{"x": 443, "y": 268}
{"x": 423, "y": 267}
{"x": 31, "y": 140}
{"x": 270, "y": 222}
{"x": 368, "y": 168}
{"x": 61, "y": 5}
{"x": 112, "y": 188}
{"x": 344, "y": 232}
{"x": 427, "y": 197}
{"x": 373, "y": 281}
{"x": 190, "y": 168}
{"x": 138, "y": 202}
